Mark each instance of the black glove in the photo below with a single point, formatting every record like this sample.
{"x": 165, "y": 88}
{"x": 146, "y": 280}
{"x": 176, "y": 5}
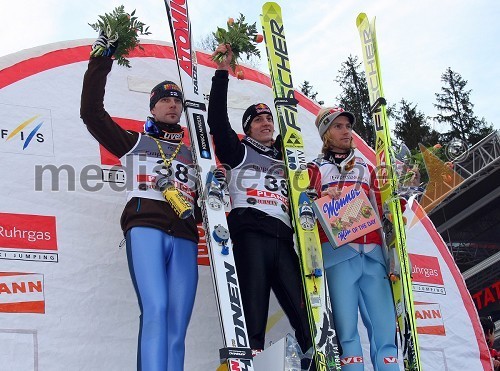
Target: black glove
{"x": 104, "y": 46}
{"x": 278, "y": 144}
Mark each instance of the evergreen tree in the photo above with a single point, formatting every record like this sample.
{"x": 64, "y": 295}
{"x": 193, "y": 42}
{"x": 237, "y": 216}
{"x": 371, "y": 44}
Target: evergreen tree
{"x": 411, "y": 126}
{"x": 456, "y": 110}
{"x": 307, "y": 90}
{"x": 355, "y": 98}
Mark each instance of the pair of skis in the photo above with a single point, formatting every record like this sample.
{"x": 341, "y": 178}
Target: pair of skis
{"x": 388, "y": 184}
{"x": 326, "y": 355}
{"x": 236, "y": 352}
{"x": 308, "y": 242}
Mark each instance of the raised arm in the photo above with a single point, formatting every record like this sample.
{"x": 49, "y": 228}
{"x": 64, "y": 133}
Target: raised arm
{"x": 228, "y": 147}
{"x": 99, "y": 123}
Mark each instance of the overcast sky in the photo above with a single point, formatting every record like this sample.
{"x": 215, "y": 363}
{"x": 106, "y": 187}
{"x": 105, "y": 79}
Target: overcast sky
{"x": 418, "y": 40}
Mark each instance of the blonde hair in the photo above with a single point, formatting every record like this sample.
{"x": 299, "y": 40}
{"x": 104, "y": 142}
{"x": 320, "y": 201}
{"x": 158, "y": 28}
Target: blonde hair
{"x": 328, "y": 140}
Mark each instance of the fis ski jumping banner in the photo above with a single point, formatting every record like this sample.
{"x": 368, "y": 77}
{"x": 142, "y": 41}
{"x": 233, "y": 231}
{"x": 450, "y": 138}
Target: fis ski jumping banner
{"x": 66, "y": 298}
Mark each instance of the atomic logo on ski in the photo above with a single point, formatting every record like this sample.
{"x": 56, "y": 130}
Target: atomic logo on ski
{"x": 181, "y": 34}
{"x": 236, "y": 353}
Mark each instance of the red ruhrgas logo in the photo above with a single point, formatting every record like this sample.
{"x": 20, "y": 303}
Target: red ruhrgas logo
{"x": 425, "y": 269}
{"x": 32, "y": 232}
{"x": 350, "y": 360}
{"x": 429, "y": 319}
{"x": 21, "y": 293}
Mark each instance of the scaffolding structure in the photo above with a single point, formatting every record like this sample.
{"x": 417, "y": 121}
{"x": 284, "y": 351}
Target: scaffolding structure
{"x": 468, "y": 217}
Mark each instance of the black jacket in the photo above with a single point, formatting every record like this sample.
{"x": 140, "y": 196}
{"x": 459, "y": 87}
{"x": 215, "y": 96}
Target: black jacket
{"x": 231, "y": 151}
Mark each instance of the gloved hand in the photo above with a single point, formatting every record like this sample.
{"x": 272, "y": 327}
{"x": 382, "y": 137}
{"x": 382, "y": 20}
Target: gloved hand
{"x": 278, "y": 144}
{"x": 104, "y": 46}
{"x": 221, "y": 177}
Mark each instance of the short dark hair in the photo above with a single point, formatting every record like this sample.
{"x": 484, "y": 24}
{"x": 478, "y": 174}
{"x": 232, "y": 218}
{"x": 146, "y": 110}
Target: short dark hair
{"x": 252, "y": 112}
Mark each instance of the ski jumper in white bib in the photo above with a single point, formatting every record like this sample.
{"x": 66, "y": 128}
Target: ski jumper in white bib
{"x": 357, "y": 278}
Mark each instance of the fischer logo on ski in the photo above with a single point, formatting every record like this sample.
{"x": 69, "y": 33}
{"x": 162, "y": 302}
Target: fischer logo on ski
{"x": 309, "y": 248}
{"x": 400, "y": 271}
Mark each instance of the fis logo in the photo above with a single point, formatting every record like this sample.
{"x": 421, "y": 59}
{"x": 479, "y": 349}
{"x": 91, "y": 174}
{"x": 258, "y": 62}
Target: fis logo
{"x": 25, "y": 132}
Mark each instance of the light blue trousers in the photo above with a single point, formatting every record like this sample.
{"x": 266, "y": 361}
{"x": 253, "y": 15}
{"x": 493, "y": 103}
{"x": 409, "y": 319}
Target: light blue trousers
{"x": 164, "y": 272}
{"x": 357, "y": 279}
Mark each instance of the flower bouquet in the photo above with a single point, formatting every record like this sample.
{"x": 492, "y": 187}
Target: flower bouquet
{"x": 122, "y": 31}
{"x": 242, "y": 38}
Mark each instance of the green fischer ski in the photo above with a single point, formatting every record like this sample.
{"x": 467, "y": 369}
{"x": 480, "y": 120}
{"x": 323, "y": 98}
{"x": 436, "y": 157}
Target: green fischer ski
{"x": 320, "y": 315}
{"x": 400, "y": 271}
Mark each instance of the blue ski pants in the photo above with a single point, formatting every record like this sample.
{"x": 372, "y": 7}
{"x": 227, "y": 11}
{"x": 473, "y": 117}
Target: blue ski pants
{"x": 357, "y": 278}
{"x": 164, "y": 271}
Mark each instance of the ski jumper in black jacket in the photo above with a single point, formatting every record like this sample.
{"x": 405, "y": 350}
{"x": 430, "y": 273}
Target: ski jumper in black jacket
{"x": 259, "y": 222}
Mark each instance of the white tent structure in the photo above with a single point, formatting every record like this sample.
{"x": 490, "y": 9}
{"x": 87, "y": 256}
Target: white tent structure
{"x": 66, "y": 299}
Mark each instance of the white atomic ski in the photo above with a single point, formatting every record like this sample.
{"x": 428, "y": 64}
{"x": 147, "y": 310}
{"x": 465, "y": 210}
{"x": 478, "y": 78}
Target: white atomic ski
{"x": 236, "y": 352}
{"x": 400, "y": 269}
{"x": 327, "y": 355}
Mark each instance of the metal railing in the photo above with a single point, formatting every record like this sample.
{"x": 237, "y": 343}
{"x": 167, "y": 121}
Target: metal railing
{"x": 479, "y": 156}
{"x": 479, "y": 160}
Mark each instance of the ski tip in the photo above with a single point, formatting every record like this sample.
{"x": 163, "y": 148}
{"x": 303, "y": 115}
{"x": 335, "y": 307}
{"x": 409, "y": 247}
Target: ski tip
{"x": 271, "y": 4}
{"x": 360, "y": 18}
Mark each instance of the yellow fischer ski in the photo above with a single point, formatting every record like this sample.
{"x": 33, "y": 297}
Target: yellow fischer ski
{"x": 320, "y": 314}
{"x": 400, "y": 269}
